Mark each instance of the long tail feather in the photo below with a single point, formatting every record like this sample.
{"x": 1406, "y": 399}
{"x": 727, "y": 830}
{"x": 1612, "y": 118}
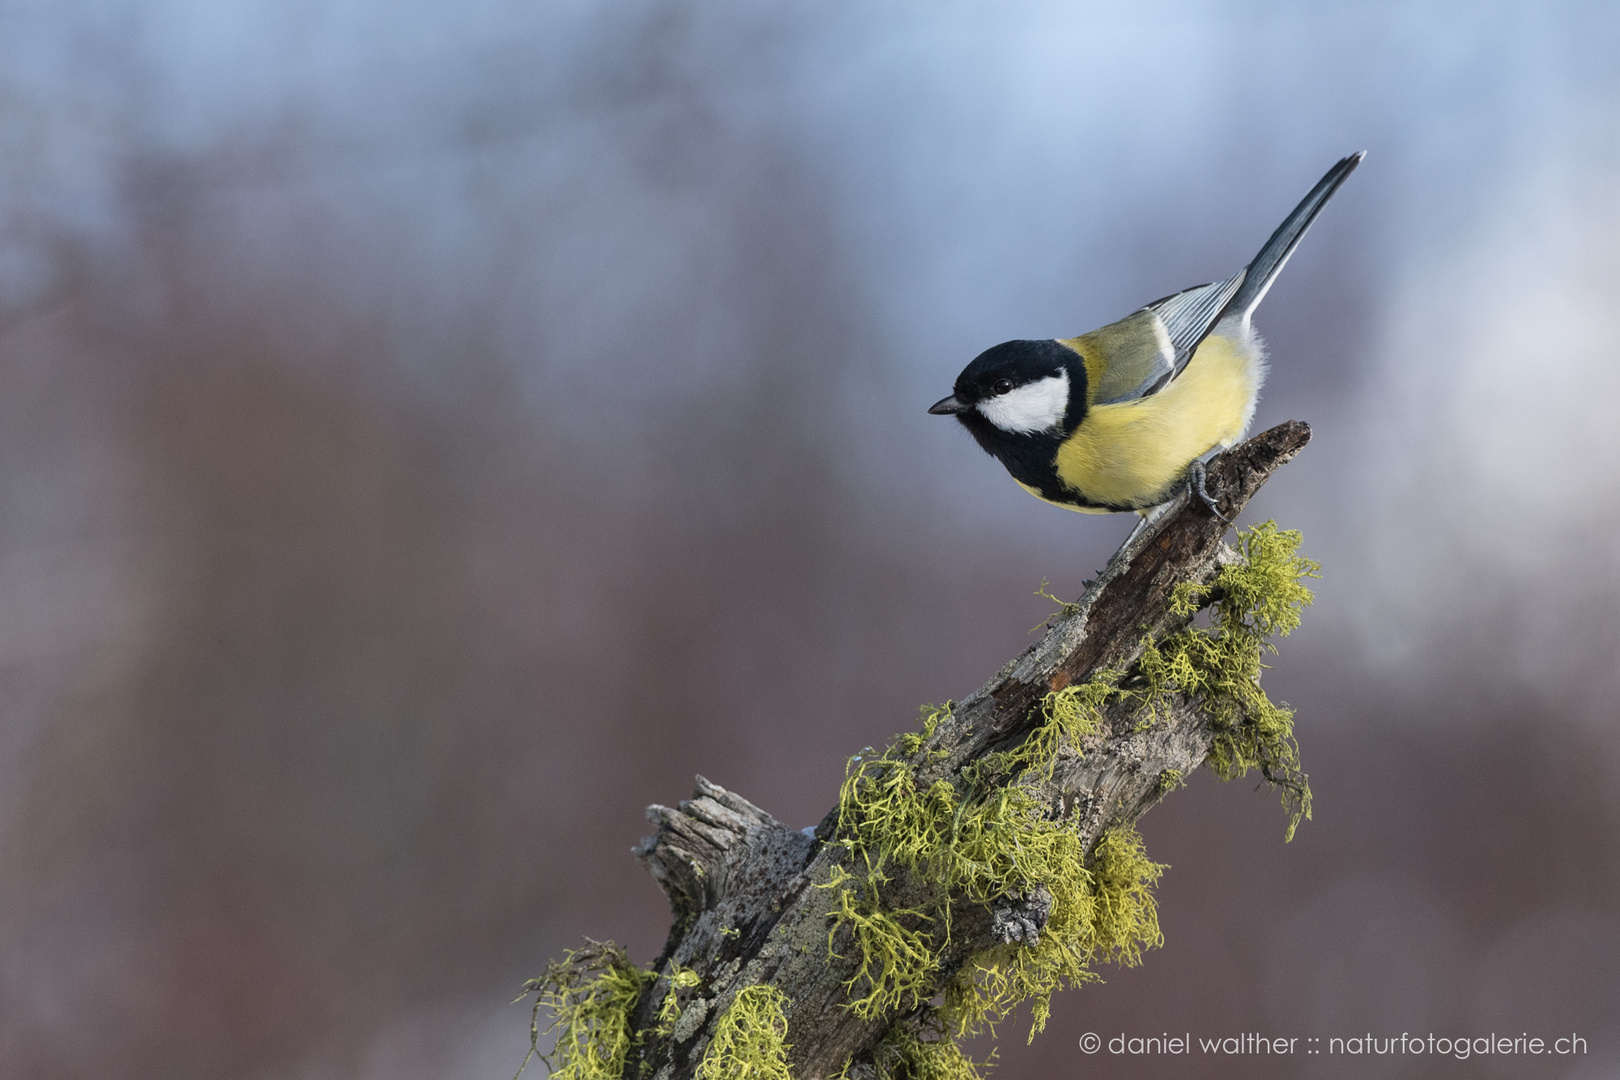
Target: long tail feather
{"x": 1269, "y": 263}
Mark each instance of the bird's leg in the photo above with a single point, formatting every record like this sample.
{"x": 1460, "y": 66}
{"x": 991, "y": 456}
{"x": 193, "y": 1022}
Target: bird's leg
{"x": 1141, "y": 523}
{"x": 1195, "y": 486}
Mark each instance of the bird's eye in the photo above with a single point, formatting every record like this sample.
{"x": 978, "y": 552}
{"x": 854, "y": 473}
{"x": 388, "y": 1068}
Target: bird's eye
{"x": 1002, "y": 386}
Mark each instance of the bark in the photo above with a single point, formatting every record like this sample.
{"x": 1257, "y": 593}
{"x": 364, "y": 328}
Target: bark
{"x": 740, "y": 882}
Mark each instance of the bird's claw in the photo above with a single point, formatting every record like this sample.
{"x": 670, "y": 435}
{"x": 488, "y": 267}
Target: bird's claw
{"x": 1195, "y": 486}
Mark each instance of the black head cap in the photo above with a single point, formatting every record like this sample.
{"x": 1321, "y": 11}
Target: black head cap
{"x": 1015, "y": 362}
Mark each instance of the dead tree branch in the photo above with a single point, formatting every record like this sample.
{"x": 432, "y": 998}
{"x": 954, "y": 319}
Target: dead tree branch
{"x": 743, "y": 886}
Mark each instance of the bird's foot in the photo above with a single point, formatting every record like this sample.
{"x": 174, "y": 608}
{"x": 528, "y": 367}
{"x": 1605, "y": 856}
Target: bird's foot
{"x": 1195, "y": 486}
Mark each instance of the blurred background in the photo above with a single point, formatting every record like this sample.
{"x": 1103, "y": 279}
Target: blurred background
{"x": 431, "y": 432}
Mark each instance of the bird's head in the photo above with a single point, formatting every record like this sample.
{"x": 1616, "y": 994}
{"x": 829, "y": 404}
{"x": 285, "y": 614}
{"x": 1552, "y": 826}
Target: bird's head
{"x": 1019, "y": 389}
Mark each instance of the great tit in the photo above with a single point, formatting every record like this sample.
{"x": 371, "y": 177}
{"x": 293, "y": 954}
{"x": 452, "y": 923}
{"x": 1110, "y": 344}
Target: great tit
{"x": 1122, "y": 418}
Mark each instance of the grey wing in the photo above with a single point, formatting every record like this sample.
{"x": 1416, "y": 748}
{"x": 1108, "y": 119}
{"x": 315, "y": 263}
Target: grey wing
{"x": 1189, "y": 315}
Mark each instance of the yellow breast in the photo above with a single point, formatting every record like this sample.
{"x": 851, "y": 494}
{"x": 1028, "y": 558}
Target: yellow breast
{"x": 1131, "y": 454}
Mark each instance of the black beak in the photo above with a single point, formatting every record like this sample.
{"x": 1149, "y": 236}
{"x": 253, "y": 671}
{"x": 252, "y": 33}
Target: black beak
{"x": 948, "y": 406}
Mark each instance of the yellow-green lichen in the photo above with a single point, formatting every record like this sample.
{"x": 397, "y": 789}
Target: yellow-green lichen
{"x": 1263, "y": 594}
{"x": 1067, "y": 716}
{"x": 1253, "y": 601}
{"x": 669, "y": 1009}
{"x": 905, "y": 1055}
{"x": 592, "y": 994}
{"x": 1169, "y": 780}
{"x": 975, "y": 848}
{"x": 1103, "y": 911}
{"x": 1125, "y": 918}
{"x": 750, "y": 1038}
{"x": 974, "y": 844}
{"x": 897, "y": 961}
{"x": 1065, "y": 609}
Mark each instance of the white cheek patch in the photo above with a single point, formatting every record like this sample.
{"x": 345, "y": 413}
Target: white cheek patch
{"x": 1029, "y": 408}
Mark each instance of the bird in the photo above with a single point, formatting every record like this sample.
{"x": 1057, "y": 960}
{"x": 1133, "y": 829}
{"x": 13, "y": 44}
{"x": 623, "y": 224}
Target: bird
{"x": 1123, "y": 418}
